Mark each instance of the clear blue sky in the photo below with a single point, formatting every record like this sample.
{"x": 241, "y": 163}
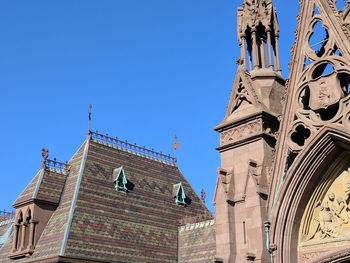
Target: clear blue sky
{"x": 150, "y": 69}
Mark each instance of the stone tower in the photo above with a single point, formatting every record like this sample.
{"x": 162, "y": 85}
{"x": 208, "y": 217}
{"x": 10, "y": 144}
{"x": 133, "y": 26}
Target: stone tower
{"x": 248, "y": 138}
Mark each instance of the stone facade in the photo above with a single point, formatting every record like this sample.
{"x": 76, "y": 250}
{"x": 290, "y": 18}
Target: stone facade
{"x": 282, "y": 192}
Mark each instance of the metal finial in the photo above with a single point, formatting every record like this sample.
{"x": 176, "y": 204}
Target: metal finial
{"x": 176, "y": 146}
{"x": 90, "y": 106}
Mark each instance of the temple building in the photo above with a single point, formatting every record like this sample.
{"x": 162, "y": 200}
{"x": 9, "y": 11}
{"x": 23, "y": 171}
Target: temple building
{"x": 282, "y": 193}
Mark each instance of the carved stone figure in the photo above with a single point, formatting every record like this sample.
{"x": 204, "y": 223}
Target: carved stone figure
{"x": 330, "y": 215}
{"x": 337, "y": 207}
{"x": 328, "y": 223}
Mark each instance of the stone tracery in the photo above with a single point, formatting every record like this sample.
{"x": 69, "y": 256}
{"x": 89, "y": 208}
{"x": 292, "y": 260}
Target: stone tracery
{"x": 322, "y": 88}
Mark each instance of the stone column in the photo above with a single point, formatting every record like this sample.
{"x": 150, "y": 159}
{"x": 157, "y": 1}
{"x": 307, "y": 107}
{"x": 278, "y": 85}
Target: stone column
{"x": 24, "y": 226}
{"x": 269, "y": 48}
{"x": 277, "y": 64}
{"x": 263, "y": 52}
{"x": 15, "y": 241}
{"x": 31, "y": 235}
{"x": 255, "y": 50}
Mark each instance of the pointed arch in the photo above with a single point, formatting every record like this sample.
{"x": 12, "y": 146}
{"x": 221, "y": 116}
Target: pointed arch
{"x": 303, "y": 61}
{"x": 19, "y": 218}
{"x": 329, "y": 146}
{"x": 28, "y": 214}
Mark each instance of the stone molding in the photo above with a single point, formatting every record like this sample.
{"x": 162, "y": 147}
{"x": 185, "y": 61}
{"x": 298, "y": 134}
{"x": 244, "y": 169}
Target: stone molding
{"x": 294, "y": 193}
{"x": 299, "y": 119}
{"x": 241, "y": 132}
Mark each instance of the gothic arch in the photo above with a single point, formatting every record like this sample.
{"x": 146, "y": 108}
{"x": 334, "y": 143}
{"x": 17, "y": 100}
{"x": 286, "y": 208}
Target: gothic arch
{"x": 329, "y": 146}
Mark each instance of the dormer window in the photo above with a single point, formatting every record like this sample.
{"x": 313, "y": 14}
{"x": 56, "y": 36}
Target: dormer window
{"x": 179, "y": 194}
{"x": 120, "y": 181}
{"x": 23, "y": 242}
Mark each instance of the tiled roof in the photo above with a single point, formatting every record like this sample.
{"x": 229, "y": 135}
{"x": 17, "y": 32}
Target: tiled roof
{"x": 197, "y": 242}
{"x": 28, "y": 192}
{"x": 94, "y": 221}
{"x": 47, "y": 186}
{"x": 140, "y": 226}
{"x": 50, "y": 242}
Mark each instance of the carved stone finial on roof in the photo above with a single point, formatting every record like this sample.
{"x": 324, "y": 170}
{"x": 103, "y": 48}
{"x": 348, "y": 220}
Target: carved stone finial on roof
{"x": 45, "y": 155}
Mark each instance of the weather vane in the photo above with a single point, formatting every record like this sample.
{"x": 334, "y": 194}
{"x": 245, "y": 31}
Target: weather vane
{"x": 176, "y": 146}
{"x": 90, "y": 106}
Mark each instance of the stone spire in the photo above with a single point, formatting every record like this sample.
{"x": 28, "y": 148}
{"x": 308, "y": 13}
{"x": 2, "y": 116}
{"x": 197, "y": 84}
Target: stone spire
{"x": 258, "y": 33}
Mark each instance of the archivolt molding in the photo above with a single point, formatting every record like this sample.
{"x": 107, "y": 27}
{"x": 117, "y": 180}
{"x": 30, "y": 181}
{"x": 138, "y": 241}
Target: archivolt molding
{"x": 317, "y": 128}
{"x": 319, "y": 154}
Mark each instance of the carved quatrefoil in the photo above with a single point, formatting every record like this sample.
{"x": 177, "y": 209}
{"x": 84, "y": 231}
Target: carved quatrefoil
{"x": 300, "y": 135}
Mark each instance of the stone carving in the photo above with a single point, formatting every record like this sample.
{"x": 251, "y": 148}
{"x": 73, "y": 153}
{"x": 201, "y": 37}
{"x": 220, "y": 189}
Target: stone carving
{"x": 242, "y": 97}
{"x": 330, "y": 214}
{"x": 320, "y": 90}
{"x": 321, "y": 95}
{"x": 322, "y": 99}
{"x": 325, "y": 91}
{"x": 240, "y": 132}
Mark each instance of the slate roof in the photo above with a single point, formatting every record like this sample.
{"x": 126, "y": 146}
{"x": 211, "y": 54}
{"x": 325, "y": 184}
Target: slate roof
{"x": 94, "y": 221}
{"x": 197, "y": 242}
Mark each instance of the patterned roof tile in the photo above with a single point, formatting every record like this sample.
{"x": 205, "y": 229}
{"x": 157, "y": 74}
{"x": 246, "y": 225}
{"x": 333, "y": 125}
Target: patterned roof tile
{"x": 95, "y": 221}
{"x": 197, "y": 242}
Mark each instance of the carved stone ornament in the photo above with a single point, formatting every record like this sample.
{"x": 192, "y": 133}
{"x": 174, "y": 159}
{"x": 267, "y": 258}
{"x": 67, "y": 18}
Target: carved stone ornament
{"x": 327, "y": 216}
{"x": 241, "y": 132}
{"x": 325, "y": 91}
{"x": 322, "y": 98}
{"x": 242, "y": 98}
{"x": 322, "y": 89}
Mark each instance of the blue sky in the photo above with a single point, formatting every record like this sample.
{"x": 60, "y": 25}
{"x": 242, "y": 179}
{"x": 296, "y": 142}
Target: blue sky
{"x": 149, "y": 68}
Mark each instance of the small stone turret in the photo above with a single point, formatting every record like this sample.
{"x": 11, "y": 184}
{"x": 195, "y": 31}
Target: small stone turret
{"x": 258, "y": 34}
